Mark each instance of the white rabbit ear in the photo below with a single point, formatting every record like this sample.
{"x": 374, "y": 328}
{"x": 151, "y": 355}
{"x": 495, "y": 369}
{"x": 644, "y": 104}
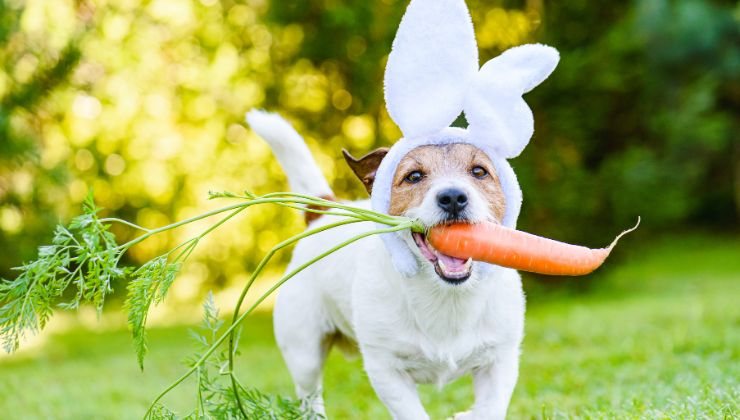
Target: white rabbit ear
{"x": 524, "y": 67}
{"x": 494, "y": 107}
{"x": 433, "y": 61}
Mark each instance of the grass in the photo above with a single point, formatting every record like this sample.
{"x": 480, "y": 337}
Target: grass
{"x": 658, "y": 337}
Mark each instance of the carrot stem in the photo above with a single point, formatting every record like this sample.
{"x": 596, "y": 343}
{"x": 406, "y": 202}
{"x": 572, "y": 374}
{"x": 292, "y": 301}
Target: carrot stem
{"x": 241, "y": 318}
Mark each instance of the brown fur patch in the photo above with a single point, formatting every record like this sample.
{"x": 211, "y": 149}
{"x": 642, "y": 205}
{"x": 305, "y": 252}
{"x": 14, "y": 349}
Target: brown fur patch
{"x": 366, "y": 166}
{"x": 311, "y": 216}
{"x": 454, "y": 160}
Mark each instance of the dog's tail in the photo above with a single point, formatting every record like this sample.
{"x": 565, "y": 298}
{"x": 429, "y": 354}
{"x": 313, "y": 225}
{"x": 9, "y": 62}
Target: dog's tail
{"x": 304, "y": 175}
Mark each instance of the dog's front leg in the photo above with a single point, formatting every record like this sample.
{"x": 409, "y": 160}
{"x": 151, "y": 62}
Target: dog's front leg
{"x": 494, "y": 385}
{"x": 395, "y": 388}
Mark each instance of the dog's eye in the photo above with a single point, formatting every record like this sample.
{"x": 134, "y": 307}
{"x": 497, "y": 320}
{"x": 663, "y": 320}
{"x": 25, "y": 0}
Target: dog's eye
{"x": 479, "y": 172}
{"x": 413, "y": 177}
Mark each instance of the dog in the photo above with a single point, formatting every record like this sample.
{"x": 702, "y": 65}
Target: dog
{"x": 415, "y": 314}
{"x": 451, "y": 318}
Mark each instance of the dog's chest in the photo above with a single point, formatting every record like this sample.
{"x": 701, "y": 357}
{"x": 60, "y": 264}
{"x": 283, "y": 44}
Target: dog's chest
{"x": 440, "y": 363}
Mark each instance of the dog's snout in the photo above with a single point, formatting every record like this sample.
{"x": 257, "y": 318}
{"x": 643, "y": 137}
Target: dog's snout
{"x": 452, "y": 200}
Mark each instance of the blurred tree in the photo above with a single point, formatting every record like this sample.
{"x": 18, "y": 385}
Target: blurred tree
{"x": 144, "y": 101}
{"x": 32, "y": 69}
{"x": 641, "y": 118}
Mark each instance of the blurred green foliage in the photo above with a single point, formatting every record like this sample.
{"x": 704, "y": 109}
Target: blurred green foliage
{"x": 143, "y": 101}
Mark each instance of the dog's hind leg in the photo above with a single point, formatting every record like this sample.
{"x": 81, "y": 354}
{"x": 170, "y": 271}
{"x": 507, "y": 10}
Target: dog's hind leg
{"x": 304, "y": 335}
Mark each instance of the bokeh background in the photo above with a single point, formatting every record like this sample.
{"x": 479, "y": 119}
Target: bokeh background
{"x": 143, "y": 102}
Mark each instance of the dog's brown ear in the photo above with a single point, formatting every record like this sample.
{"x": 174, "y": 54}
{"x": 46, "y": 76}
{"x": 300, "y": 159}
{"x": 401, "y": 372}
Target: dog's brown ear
{"x": 366, "y": 166}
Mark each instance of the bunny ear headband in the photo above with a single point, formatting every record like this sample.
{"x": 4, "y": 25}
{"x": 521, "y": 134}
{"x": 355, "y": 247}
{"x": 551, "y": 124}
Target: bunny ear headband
{"x": 432, "y": 76}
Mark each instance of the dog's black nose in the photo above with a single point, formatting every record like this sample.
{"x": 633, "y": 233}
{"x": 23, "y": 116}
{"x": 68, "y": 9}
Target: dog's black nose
{"x": 452, "y": 200}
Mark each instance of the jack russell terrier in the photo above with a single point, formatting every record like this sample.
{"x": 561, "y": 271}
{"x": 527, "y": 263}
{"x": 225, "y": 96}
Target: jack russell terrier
{"x": 415, "y": 314}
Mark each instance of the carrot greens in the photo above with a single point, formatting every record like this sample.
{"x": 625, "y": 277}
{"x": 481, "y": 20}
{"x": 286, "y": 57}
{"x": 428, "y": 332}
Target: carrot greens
{"x": 85, "y": 259}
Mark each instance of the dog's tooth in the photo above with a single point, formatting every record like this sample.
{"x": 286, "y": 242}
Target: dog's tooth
{"x": 434, "y": 251}
{"x": 442, "y": 265}
{"x": 426, "y": 239}
{"x": 468, "y": 263}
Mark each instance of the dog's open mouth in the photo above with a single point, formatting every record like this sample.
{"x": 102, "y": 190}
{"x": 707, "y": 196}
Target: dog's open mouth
{"x": 451, "y": 269}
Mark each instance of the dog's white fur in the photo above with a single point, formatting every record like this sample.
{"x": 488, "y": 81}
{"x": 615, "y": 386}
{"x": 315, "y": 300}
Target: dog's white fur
{"x": 291, "y": 151}
{"x": 409, "y": 329}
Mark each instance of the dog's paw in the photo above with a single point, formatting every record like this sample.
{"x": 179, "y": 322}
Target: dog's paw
{"x": 467, "y": 415}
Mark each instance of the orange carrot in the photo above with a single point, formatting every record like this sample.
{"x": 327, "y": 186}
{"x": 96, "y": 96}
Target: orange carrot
{"x": 496, "y": 244}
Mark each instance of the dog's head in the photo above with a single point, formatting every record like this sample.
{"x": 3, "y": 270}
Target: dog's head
{"x": 436, "y": 172}
{"x": 439, "y": 184}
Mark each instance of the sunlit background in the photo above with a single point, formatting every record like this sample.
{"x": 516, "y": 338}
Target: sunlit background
{"x": 143, "y": 102}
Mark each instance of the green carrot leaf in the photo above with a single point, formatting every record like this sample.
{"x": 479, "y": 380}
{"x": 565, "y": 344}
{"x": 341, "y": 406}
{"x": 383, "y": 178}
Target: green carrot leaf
{"x": 161, "y": 412}
{"x": 215, "y": 397}
{"x": 83, "y": 255}
{"x": 148, "y": 285}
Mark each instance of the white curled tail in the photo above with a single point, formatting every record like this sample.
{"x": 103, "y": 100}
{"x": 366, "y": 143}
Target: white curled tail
{"x": 304, "y": 175}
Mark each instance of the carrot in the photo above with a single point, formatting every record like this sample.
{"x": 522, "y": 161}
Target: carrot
{"x": 496, "y": 244}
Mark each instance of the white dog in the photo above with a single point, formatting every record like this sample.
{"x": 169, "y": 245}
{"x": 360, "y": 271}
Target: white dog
{"x": 417, "y": 315}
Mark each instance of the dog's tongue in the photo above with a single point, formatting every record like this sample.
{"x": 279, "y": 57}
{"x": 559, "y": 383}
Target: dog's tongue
{"x": 451, "y": 263}
{"x": 448, "y": 264}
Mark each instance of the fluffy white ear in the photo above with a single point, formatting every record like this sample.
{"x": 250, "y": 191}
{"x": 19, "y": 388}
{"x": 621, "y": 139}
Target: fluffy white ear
{"x": 433, "y": 61}
{"x": 494, "y": 107}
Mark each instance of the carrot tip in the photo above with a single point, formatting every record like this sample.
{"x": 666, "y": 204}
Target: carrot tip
{"x": 614, "y": 243}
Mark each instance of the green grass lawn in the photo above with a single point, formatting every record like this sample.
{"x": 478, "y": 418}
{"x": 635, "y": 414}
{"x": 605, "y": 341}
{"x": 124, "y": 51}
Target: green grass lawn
{"x": 658, "y": 337}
